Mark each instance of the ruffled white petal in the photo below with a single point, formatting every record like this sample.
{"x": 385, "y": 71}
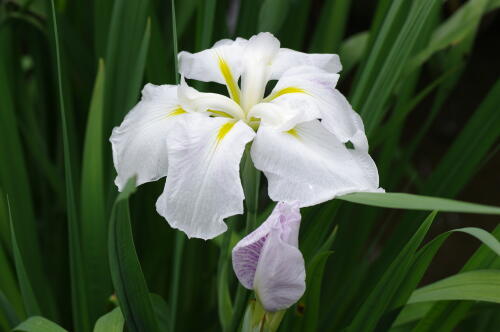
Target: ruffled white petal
{"x": 310, "y": 165}
{"x": 288, "y": 58}
{"x": 206, "y": 65}
{"x": 259, "y": 54}
{"x": 203, "y": 186}
{"x": 312, "y": 88}
{"x": 139, "y": 143}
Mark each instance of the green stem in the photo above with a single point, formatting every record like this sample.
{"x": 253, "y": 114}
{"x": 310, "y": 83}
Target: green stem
{"x": 223, "y": 297}
{"x": 251, "y": 181}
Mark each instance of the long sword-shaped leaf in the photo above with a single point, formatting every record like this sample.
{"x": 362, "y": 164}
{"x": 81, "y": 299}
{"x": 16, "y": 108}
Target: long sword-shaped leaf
{"x": 375, "y": 305}
{"x": 126, "y": 273}
{"x": 481, "y": 285}
{"x": 30, "y": 301}
{"x": 78, "y": 288}
{"x": 14, "y": 177}
{"x": 373, "y": 107}
{"x": 331, "y": 26}
{"x": 418, "y": 202}
{"x": 93, "y": 215}
{"x": 8, "y": 311}
{"x": 125, "y": 60}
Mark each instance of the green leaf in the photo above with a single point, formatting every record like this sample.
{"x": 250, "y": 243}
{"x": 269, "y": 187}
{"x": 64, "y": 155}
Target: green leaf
{"x": 39, "y": 324}
{"x": 453, "y": 31}
{"x": 224, "y": 304}
{"x": 93, "y": 215}
{"x": 272, "y": 15}
{"x": 462, "y": 159}
{"x": 385, "y": 65}
{"x": 30, "y": 301}
{"x": 14, "y": 178}
{"x": 8, "y": 311}
{"x": 162, "y": 312}
{"x": 205, "y": 25}
{"x": 422, "y": 261}
{"x": 311, "y": 300}
{"x": 352, "y": 50}
{"x": 379, "y": 299}
{"x": 424, "y": 257}
{"x": 78, "y": 287}
{"x": 411, "y": 313}
{"x": 126, "y": 273}
{"x": 111, "y": 322}
{"x": 417, "y": 202}
{"x": 456, "y": 168}
{"x": 480, "y": 285}
{"x": 331, "y": 26}
{"x": 124, "y": 68}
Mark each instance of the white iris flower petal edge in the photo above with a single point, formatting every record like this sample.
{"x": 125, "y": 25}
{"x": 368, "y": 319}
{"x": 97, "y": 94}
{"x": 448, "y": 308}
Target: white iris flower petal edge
{"x": 299, "y": 133}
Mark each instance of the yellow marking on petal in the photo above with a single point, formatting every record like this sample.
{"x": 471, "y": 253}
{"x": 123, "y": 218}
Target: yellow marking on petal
{"x": 221, "y": 113}
{"x": 232, "y": 85}
{"x": 177, "y": 111}
{"x": 285, "y": 91}
{"x": 224, "y": 130}
{"x": 293, "y": 132}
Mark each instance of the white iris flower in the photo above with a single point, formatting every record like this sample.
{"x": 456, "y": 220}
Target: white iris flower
{"x": 196, "y": 139}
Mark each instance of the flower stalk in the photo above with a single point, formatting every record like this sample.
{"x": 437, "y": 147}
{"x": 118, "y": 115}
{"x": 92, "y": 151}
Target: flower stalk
{"x": 251, "y": 184}
{"x": 258, "y": 320}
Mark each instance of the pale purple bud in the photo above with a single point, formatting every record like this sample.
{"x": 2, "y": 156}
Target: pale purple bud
{"x": 269, "y": 262}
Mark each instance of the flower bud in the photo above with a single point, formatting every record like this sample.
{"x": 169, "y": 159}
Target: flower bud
{"x": 269, "y": 262}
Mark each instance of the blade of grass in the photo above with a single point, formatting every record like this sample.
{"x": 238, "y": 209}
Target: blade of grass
{"x": 31, "y": 305}
{"x": 8, "y": 283}
{"x": 93, "y": 215}
{"x": 446, "y": 316}
{"x": 380, "y": 298}
{"x": 459, "y": 164}
{"x": 224, "y": 304}
{"x": 330, "y": 29}
{"x": 421, "y": 262}
{"x": 205, "y": 24}
{"x": 417, "y": 202}
{"x": 14, "y": 178}
{"x": 126, "y": 273}
{"x": 124, "y": 68}
{"x": 162, "y": 311}
{"x": 469, "y": 148}
{"x": 8, "y": 280}
{"x": 453, "y": 31}
{"x": 373, "y": 107}
{"x": 352, "y": 49}
{"x": 77, "y": 272}
{"x": 311, "y": 299}
{"x": 8, "y": 311}
{"x": 272, "y": 15}
{"x": 480, "y": 285}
